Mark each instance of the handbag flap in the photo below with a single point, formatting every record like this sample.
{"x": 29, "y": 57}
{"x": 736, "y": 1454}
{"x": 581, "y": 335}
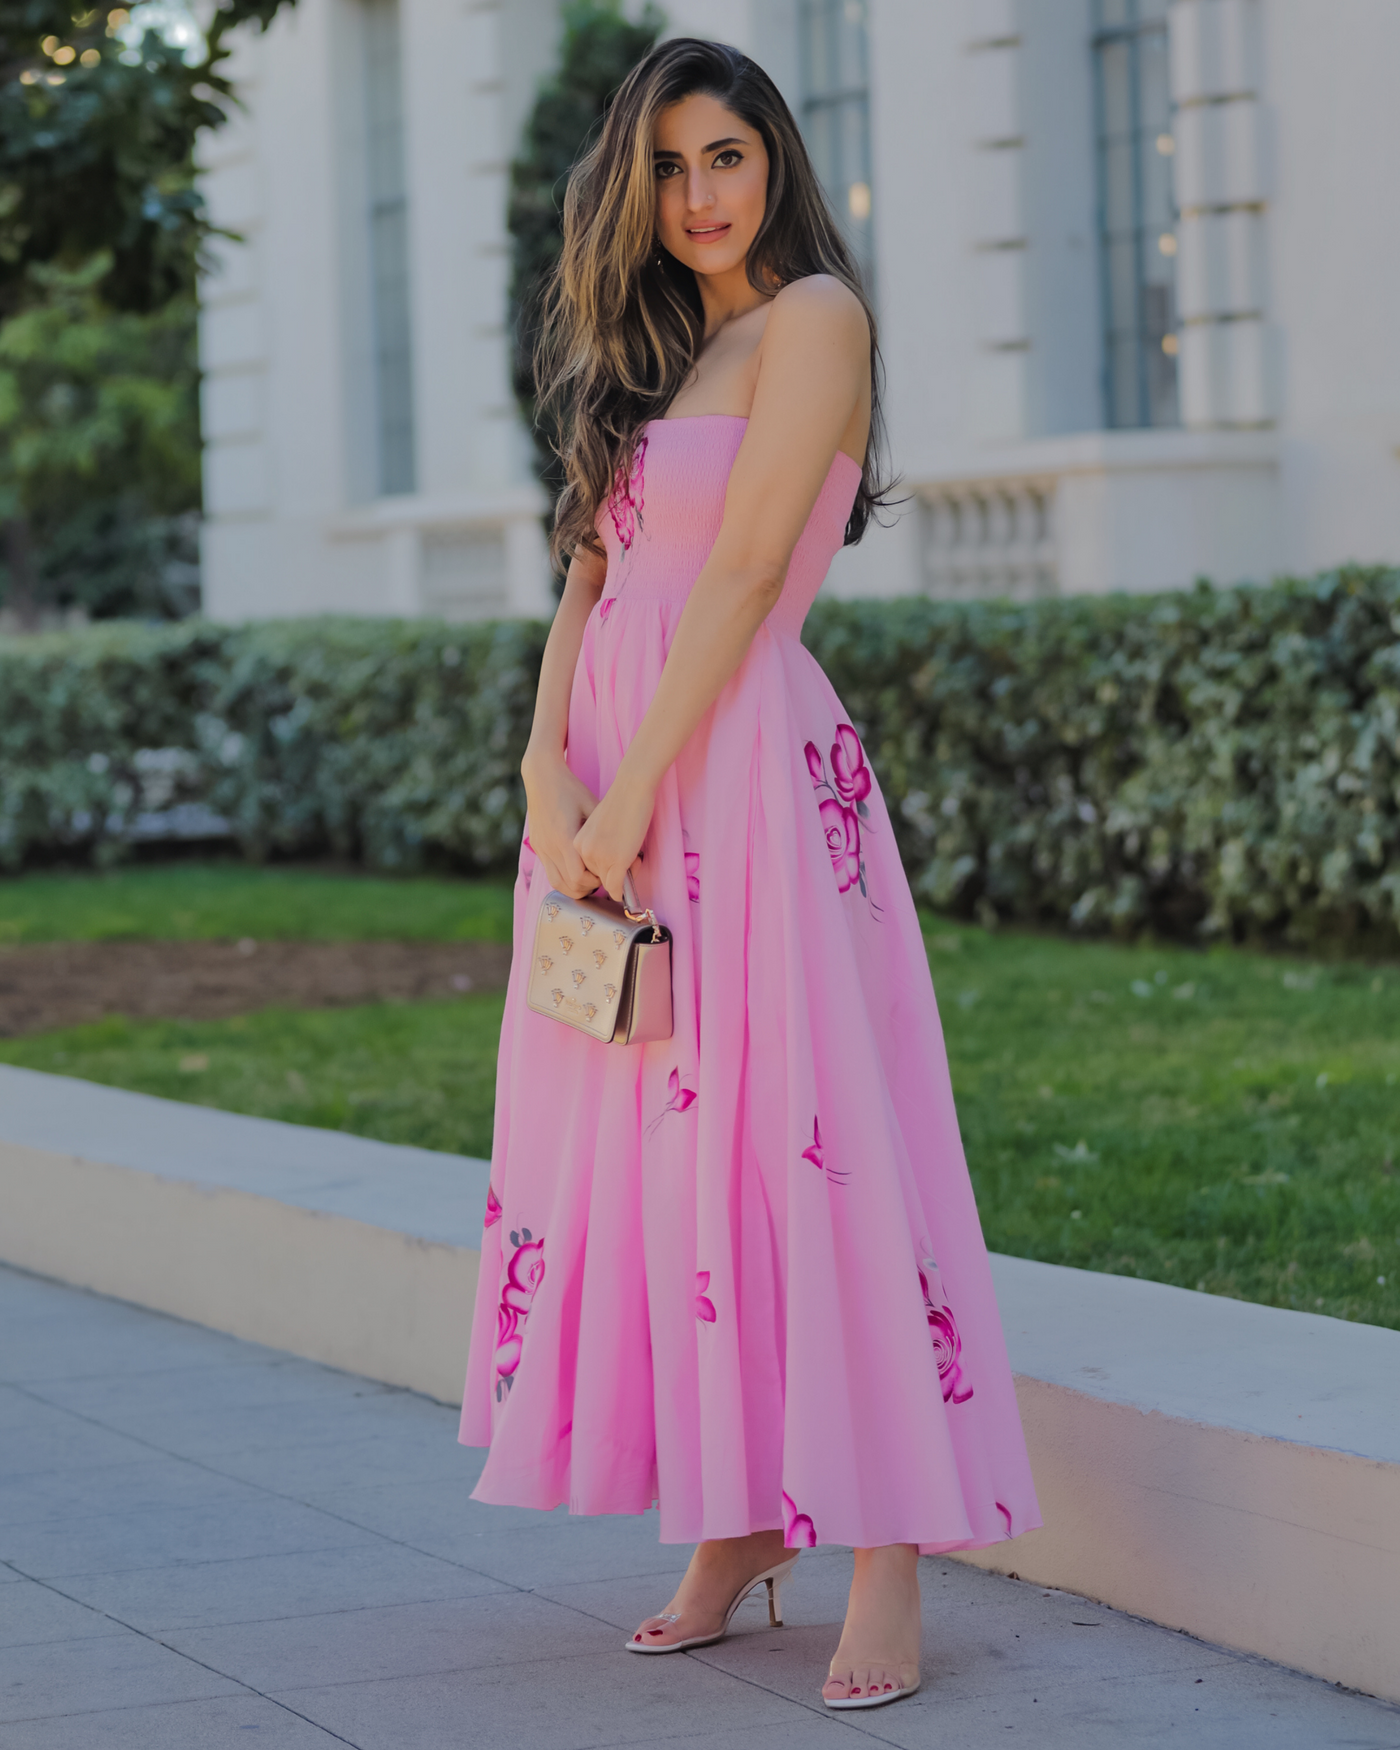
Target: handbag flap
{"x": 578, "y": 972}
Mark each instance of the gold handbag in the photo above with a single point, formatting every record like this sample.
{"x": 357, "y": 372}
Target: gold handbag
{"x": 602, "y": 967}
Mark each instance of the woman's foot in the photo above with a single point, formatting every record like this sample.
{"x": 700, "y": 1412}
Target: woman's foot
{"x": 879, "y": 1650}
{"x": 717, "y": 1570}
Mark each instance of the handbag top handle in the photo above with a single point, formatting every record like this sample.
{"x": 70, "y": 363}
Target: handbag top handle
{"x": 636, "y": 912}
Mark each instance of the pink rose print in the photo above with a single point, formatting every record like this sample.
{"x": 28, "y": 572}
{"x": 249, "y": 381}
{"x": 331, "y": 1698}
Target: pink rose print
{"x": 625, "y": 504}
{"x": 947, "y": 1345}
{"x": 844, "y": 808}
{"x": 524, "y": 1274}
{"x": 493, "y": 1208}
{"x": 605, "y": 607}
{"x": 704, "y": 1306}
{"x": 842, "y": 831}
{"x": 1006, "y": 1515}
{"x": 692, "y": 875}
{"x": 679, "y": 1099}
{"x": 798, "y": 1530}
{"x": 848, "y": 765}
{"x": 816, "y": 1154}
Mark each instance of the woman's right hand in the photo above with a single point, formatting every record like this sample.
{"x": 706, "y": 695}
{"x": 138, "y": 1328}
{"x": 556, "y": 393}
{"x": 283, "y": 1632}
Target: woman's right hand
{"x": 558, "y": 804}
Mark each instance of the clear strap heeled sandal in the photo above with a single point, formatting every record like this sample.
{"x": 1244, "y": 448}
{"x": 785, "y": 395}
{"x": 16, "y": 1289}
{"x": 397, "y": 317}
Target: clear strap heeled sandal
{"x": 876, "y": 1698}
{"x": 773, "y": 1578}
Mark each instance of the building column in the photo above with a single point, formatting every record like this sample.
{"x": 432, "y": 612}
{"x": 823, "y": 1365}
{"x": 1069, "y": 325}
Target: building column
{"x": 1227, "y": 367}
{"x": 997, "y": 219}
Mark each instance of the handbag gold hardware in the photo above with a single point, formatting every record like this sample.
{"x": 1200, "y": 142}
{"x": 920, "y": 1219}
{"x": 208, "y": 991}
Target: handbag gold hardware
{"x": 602, "y": 967}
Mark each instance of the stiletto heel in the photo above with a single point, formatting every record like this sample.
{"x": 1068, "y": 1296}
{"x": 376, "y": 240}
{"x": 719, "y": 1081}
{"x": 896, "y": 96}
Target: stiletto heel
{"x": 775, "y": 1594}
{"x": 774, "y": 1578}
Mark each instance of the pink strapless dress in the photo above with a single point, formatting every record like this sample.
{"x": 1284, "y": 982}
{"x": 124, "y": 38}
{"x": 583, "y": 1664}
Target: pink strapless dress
{"x": 739, "y": 1272}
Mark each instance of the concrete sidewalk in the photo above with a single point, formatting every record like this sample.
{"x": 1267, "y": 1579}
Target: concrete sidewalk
{"x": 201, "y": 1539}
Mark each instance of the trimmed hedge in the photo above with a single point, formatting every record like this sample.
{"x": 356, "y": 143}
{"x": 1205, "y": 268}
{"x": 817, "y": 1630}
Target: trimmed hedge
{"x": 390, "y": 741}
{"x": 1223, "y": 760}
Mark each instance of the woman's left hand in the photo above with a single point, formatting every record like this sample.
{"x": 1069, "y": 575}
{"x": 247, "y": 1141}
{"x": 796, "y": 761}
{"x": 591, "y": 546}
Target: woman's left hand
{"x": 610, "y": 840}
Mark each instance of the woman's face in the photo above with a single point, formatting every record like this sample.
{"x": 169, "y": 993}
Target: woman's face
{"x": 711, "y": 184}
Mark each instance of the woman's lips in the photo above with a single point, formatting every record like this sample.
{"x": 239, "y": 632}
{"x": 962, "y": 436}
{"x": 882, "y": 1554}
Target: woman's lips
{"x": 710, "y": 234}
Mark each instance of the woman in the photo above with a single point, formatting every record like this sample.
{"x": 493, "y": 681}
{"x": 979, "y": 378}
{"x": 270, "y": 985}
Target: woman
{"x": 738, "y": 1272}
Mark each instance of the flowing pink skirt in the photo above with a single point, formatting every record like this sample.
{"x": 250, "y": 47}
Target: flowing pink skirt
{"x": 739, "y": 1272}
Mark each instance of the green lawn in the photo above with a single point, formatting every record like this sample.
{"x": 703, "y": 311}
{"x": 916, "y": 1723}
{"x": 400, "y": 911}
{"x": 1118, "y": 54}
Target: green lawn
{"x": 423, "y": 1073}
{"x": 212, "y": 901}
{"x": 1222, "y": 1120}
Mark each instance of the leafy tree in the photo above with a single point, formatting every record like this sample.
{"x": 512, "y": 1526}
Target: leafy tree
{"x": 102, "y": 226}
{"x": 99, "y": 448}
{"x": 599, "y": 49}
{"x": 97, "y": 146}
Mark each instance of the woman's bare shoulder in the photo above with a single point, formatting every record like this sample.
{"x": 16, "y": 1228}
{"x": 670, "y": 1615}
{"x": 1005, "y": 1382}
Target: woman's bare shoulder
{"x": 820, "y": 303}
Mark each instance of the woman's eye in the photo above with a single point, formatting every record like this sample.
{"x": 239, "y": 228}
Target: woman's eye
{"x": 728, "y": 159}
{"x": 665, "y": 169}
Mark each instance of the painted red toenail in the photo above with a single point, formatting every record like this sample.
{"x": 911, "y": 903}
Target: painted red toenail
{"x": 856, "y": 1690}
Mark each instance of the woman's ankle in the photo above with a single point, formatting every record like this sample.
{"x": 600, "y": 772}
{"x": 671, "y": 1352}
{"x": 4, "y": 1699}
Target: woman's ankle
{"x": 726, "y": 1551}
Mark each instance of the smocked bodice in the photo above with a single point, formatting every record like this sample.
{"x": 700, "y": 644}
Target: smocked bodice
{"x": 659, "y": 529}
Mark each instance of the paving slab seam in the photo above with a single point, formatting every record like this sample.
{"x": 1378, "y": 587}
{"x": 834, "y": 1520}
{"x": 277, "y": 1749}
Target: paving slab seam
{"x": 372, "y": 1537}
{"x": 156, "y": 1641}
{"x": 818, "y": 1710}
{"x": 187, "y": 1566}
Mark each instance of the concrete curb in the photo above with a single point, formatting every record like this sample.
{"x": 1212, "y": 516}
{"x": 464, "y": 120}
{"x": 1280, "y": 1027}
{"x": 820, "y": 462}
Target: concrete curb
{"x": 370, "y": 1300}
{"x": 1263, "y": 1545}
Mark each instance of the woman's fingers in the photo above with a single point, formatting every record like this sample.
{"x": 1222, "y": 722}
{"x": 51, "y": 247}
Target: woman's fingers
{"x": 551, "y": 870}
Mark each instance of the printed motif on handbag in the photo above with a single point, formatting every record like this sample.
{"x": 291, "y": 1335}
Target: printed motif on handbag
{"x": 602, "y": 967}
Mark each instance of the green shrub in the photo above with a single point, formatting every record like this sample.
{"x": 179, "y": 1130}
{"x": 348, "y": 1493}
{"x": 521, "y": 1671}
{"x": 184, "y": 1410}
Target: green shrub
{"x": 1218, "y": 760}
{"x": 391, "y": 741}
{"x": 1224, "y": 759}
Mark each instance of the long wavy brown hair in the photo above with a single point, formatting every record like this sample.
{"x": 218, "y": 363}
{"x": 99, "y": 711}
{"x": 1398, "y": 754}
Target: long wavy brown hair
{"x": 622, "y": 322}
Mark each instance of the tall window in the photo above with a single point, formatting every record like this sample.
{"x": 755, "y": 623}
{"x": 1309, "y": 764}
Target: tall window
{"x": 388, "y": 247}
{"x": 1137, "y": 239}
{"x": 836, "y": 111}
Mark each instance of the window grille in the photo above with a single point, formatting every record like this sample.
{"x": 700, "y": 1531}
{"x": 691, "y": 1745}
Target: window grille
{"x": 836, "y": 113}
{"x": 388, "y": 248}
{"x": 1137, "y": 214}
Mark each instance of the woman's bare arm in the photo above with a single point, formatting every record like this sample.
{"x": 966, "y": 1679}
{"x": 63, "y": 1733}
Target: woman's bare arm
{"x": 558, "y": 801}
{"x": 813, "y": 376}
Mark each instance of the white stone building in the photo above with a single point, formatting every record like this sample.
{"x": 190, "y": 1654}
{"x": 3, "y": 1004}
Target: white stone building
{"x": 1135, "y": 263}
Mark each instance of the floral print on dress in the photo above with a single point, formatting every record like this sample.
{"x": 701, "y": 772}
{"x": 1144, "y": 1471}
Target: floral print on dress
{"x": 678, "y": 1099}
{"x": 692, "y": 876}
{"x": 943, "y": 1329}
{"x": 842, "y": 831}
{"x": 493, "y": 1208}
{"x": 605, "y": 607}
{"x": 704, "y": 1306}
{"x": 798, "y": 1530}
{"x": 843, "y": 809}
{"x": 524, "y": 1273}
{"x": 848, "y": 767}
{"x": 626, "y": 501}
{"x": 816, "y": 1154}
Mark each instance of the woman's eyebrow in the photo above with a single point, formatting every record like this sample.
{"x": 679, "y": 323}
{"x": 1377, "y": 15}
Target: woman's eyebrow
{"x": 714, "y": 146}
